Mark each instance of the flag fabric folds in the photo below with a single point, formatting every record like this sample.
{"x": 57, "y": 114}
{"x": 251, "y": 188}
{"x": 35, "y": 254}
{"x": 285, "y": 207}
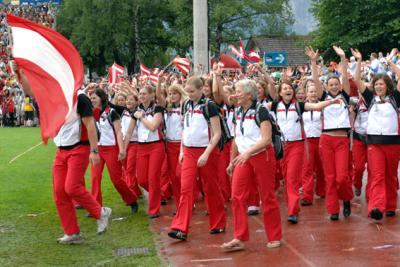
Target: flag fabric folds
{"x": 53, "y": 68}
{"x": 115, "y": 75}
{"x": 183, "y": 64}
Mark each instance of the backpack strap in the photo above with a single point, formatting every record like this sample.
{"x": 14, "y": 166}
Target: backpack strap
{"x": 303, "y": 132}
{"x": 257, "y": 115}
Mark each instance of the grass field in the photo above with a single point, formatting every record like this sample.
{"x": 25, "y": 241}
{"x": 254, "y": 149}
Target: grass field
{"x": 29, "y": 225}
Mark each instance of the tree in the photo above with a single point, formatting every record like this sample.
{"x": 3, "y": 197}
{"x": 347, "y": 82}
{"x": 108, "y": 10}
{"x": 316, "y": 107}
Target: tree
{"x": 124, "y": 31}
{"x": 370, "y": 25}
{"x": 230, "y": 20}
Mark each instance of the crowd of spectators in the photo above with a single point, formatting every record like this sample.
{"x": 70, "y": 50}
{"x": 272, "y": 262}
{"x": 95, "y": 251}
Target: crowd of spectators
{"x": 17, "y": 109}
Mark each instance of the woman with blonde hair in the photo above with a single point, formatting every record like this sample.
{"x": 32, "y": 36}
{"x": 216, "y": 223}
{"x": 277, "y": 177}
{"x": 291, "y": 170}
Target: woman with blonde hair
{"x": 173, "y": 132}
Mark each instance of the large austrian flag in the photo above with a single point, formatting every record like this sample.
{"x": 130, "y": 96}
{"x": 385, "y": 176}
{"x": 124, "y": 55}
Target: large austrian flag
{"x": 183, "y": 64}
{"x": 53, "y": 68}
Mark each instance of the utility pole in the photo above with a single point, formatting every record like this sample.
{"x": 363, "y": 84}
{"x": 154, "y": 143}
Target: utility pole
{"x": 200, "y": 36}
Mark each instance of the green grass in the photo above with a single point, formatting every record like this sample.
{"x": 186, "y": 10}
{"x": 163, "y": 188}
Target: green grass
{"x": 26, "y": 188}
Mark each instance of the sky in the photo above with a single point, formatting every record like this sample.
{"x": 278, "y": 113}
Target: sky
{"x": 305, "y": 21}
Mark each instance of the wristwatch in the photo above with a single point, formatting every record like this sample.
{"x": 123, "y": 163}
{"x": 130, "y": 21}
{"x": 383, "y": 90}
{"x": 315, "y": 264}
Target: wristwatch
{"x": 94, "y": 150}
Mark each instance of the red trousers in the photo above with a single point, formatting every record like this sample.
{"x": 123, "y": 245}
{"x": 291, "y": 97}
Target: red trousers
{"x": 254, "y": 195}
{"x": 311, "y": 166}
{"x": 174, "y": 169}
{"x": 69, "y": 169}
{"x": 166, "y": 188}
{"x": 149, "y": 161}
{"x": 109, "y": 156}
{"x": 260, "y": 167}
{"x": 292, "y": 164}
{"x": 383, "y": 161}
{"x": 223, "y": 177}
{"x": 278, "y": 174}
{"x": 213, "y": 196}
{"x": 129, "y": 167}
{"x": 359, "y": 160}
{"x": 335, "y": 153}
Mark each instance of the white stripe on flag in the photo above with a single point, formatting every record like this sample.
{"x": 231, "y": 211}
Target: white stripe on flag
{"x": 54, "y": 63}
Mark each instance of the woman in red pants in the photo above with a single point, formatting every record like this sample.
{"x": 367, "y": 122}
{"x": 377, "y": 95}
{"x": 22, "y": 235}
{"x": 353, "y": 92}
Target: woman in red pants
{"x": 359, "y": 149}
{"x": 150, "y": 147}
{"x": 173, "y": 126}
{"x": 201, "y": 133}
{"x": 383, "y": 139}
{"x": 111, "y": 151}
{"x": 131, "y": 151}
{"x": 287, "y": 112}
{"x": 252, "y": 157}
{"x": 76, "y": 144}
{"x": 312, "y": 164}
{"x": 334, "y": 141}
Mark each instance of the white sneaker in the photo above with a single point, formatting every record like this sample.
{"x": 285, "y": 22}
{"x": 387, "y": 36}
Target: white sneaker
{"x": 71, "y": 239}
{"x": 102, "y": 223}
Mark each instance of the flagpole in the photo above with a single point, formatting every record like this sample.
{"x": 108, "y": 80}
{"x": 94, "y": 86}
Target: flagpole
{"x": 166, "y": 67}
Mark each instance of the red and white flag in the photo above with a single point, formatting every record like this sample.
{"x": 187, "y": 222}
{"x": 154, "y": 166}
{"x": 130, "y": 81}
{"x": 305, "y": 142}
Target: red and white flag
{"x": 53, "y": 68}
{"x": 254, "y": 56}
{"x": 144, "y": 70}
{"x": 242, "y": 53}
{"x": 115, "y": 74}
{"x": 153, "y": 77}
{"x": 183, "y": 64}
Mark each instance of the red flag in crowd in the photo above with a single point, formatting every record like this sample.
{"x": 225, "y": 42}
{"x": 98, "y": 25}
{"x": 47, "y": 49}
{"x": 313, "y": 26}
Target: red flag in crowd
{"x": 183, "y": 64}
{"x": 242, "y": 53}
{"x": 53, "y": 68}
{"x": 254, "y": 56}
{"x": 153, "y": 77}
{"x": 115, "y": 74}
{"x": 144, "y": 70}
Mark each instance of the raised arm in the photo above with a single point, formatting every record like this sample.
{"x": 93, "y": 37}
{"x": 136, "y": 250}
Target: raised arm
{"x": 322, "y": 104}
{"x": 343, "y": 63}
{"x": 357, "y": 76}
{"x": 159, "y": 95}
{"x": 270, "y": 82}
{"x": 314, "y": 55}
{"x": 217, "y": 89}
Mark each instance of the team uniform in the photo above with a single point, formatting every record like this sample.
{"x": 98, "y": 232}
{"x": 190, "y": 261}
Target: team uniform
{"x": 224, "y": 155}
{"x": 259, "y": 167}
{"x": 150, "y": 156}
{"x": 196, "y": 137}
{"x": 69, "y": 167}
{"x": 312, "y": 129}
{"x": 335, "y": 152}
{"x": 173, "y": 121}
{"x": 359, "y": 149}
{"x": 288, "y": 120}
{"x": 383, "y": 139}
{"x": 108, "y": 152}
{"x": 129, "y": 164}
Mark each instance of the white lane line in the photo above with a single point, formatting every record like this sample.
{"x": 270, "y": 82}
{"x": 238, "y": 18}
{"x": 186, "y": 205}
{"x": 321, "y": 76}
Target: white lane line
{"x": 208, "y": 260}
{"x": 23, "y": 153}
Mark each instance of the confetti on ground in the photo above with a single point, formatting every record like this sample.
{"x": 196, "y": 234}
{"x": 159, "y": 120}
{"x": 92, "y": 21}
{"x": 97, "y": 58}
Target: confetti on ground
{"x": 349, "y": 249}
{"x": 386, "y": 247}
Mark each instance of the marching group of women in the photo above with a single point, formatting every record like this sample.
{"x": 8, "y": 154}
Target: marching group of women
{"x": 215, "y": 137}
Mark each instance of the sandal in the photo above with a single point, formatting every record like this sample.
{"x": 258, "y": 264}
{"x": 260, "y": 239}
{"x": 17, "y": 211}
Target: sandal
{"x": 274, "y": 244}
{"x": 234, "y": 245}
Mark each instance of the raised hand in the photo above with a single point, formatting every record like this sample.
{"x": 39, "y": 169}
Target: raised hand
{"x": 339, "y": 51}
{"x": 356, "y": 53}
{"x": 313, "y": 55}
